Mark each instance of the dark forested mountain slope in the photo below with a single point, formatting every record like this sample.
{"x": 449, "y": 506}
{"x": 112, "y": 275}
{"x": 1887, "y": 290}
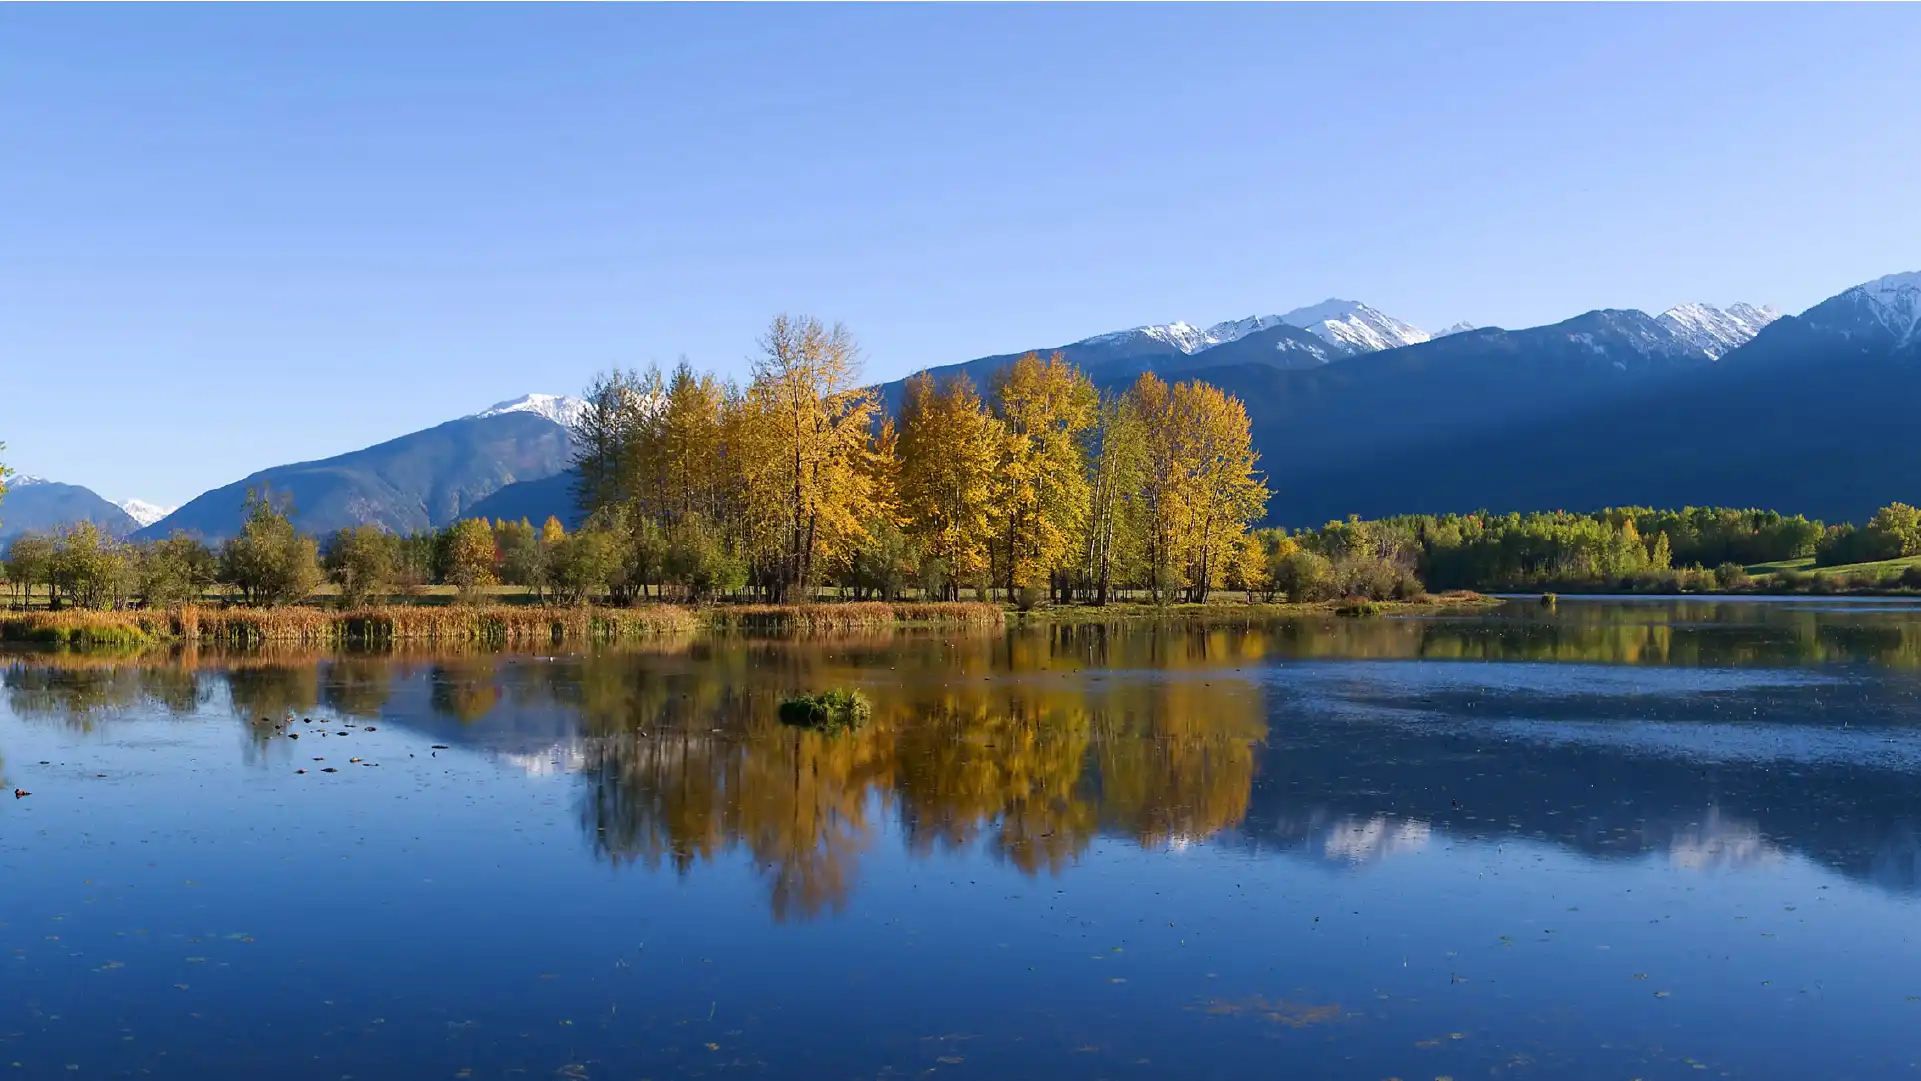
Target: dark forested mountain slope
{"x": 534, "y": 500}
{"x": 1815, "y": 415}
{"x": 425, "y": 479}
{"x": 33, "y": 505}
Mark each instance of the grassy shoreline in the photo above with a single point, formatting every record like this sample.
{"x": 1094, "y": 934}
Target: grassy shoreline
{"x": 499, "y": 623}
{"x": 531, "y": 625}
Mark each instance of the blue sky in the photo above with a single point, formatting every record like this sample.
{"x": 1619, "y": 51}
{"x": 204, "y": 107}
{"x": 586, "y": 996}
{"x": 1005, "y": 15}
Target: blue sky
{"x": 235, "y": 237}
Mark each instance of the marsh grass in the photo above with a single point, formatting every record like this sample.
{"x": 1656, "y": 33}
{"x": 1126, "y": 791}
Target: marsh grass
{"x": 519, "y": 624}
{"x": 855, "y": 615}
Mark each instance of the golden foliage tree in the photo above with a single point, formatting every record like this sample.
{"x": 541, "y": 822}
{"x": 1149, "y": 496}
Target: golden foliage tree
{"x": 1199, "y": 490}
{"x": 1041, "y": 489}
{"x": 948, "y": 449}
{"x": 805, "y": 441}
{"x": 471, "y": 557}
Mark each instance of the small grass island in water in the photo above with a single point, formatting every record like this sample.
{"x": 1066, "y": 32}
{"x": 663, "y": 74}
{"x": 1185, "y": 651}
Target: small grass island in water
{"x": 829, "y": 711}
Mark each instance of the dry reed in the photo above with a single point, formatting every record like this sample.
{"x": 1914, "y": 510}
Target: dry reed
{"x": 849, "y": 616}
{"x": 490, "y": 623}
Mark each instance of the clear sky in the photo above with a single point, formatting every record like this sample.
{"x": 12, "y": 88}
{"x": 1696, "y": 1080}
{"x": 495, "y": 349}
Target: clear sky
{"x": 232, "y": 237}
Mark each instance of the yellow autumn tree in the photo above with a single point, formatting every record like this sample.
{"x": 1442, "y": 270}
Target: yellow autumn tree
{"x": 471, "y": 557}
{"x": 948, "y": 449}
{"x": 1227, "y": 493}
{"x": 1041, "y": 490}
{"x": 1110, "y": 543}
{"x": 805, "y": 440}
{"x": 689, "y": 447}
{"x": 1198, "y": 488}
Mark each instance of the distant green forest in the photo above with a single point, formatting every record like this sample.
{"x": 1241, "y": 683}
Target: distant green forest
{"x": 1619, "y": 549}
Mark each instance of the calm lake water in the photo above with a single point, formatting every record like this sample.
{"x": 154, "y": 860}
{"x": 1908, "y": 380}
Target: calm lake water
{"x": 1618, "y": 840}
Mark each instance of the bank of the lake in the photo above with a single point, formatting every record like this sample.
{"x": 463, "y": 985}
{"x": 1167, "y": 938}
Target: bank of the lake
{"x": 549, "y": 624}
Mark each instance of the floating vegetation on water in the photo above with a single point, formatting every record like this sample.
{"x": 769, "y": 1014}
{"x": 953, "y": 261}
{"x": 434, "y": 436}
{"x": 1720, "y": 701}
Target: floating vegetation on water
{"x": 1548, "y": 600}
{"x": 831, "y": 711}
{"x": 1359, "y": 609}
{"x": 1279, "y": 1011}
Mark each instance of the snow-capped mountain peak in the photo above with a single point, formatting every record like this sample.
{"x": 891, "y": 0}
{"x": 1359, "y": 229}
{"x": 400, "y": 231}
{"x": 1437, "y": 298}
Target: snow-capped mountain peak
{"x": 1717, "y": 331}
{"x": 1895, "y": 301}
{"x": 144, "y": 512}
{"x": 1185, "y": 337}
{"x": 1236, "y": 329}
{"x": 1461, "y": 327}
{"x": 559, "y": 408}
{"x": 1355, "y": 325}
{"x": 1348, "y": 326}
{"x": 24, "y": 480}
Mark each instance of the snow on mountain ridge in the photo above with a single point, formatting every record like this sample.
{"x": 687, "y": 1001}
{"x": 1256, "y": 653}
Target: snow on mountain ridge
{"x": 1355, "y": 325}
{"x": 1717, "y": 331}
{"x": 1345, "y": 324}
{"x": 562, "y": 409}
{"x": 1895, "y": 300}
{"x": 1236, "y": 329}
{"x": 1183, "y": 336}
{"x": 144, "y": 512}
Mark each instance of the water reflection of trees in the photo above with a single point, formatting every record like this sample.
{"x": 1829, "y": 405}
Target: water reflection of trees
{"x": 1028, "y": 765}
{"x": 1029, "y": 745}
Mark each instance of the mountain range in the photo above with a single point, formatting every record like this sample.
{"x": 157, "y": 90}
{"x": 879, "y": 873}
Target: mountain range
{"x": 1354, "y": 412}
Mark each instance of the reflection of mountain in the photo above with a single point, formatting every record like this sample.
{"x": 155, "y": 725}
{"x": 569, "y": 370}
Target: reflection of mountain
{"x": 1708, "y": 736}
{"x": 1609, "y": 768}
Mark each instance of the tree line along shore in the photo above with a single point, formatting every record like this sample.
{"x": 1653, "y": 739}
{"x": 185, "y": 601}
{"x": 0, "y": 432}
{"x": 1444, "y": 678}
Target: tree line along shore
{"x": 798, "y": 488}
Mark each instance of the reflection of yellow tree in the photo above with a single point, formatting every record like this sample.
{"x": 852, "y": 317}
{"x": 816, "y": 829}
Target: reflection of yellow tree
{"x": 273, "y": 691}
{"x": 806, "y": 815}
{"x": 1012, "y": 744}
{"x": 465, "y": 688}
{"x": 1177, "y": 759}
{"x": 968, "y": 765}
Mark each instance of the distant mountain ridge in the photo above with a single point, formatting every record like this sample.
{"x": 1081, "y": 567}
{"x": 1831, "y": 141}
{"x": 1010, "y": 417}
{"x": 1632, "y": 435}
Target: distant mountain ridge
{"x": 422, "y": 480}
{"x": 1813, "y": 414}
{"x": 1353, "y": 410}
{"x": 38, "y": 505}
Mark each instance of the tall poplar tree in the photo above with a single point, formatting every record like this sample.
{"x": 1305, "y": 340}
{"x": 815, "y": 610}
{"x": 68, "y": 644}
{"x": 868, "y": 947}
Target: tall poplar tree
{"x": 1041, "y": 496}
{"x": 808, "y": 429}
{"x": 948, "y": 449}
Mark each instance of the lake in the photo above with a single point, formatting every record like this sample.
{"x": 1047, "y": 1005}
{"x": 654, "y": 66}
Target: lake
{"x": 1617, "y": 839}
